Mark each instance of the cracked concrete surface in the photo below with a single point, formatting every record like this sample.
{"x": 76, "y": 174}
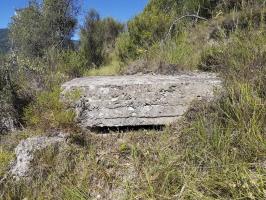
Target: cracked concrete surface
{"x": 138, "y": 100}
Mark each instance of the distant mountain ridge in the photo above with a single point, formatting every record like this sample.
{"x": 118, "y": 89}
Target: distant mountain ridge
{"x": 4, "y": 45}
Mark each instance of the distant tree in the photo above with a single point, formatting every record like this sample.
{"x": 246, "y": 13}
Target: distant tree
{"x": 97, "y": 35}
{"x": 25, "y": 30}
{"x": 59, "y": 20}
{"x": 40, "y": 26}
{"x": 112, "y": 29}
{"x": 90, "y": 38}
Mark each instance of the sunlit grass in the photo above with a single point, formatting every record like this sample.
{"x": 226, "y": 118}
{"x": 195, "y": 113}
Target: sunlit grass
{"x": 111, "y": 69}
{"x": 5, "y": 158}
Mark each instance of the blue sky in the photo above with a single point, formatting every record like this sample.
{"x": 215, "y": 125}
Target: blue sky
{"x": 121, "y": 10}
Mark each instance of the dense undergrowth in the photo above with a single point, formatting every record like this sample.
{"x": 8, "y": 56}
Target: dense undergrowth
{"x": 218, "y": 151}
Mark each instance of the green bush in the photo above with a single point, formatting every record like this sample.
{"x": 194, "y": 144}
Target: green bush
{"x": 98, "y": 38}
{"x": 124, "y": 47}
{"x": 48, "y": 112}
{"x": 72, "y": 63}
{"x": 148, "y": 28}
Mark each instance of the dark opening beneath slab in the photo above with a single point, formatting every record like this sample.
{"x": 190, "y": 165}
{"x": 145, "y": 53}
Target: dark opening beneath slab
{"x": 123, "y": 129}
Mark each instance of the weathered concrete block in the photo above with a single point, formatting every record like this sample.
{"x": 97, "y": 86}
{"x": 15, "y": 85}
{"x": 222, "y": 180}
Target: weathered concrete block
{"x": 138, "y": 100}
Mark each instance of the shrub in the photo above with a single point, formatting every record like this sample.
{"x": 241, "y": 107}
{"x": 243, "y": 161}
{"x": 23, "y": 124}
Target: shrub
{"x": 72, "y": 63}
{"x": 124, "y": 47}
{"x": 98, "y": 37}
{"x": 148, "y": 28}
{"x": 210, "y": 59}
{"x": 48, "y": 112}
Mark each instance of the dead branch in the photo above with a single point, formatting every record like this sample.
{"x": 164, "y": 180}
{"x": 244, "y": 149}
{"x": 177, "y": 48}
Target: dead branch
{"x": 180, "y": 18}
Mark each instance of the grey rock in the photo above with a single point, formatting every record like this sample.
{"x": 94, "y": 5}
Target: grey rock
{"x": 137, "y": 100}
{"x": 25, "y": 153}
{"x": 7, "y": 124}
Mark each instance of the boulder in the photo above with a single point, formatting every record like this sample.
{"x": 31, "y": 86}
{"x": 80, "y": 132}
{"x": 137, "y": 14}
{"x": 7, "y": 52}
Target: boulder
{"x": 25, "y": 153}
{"x": 137, "y": 100}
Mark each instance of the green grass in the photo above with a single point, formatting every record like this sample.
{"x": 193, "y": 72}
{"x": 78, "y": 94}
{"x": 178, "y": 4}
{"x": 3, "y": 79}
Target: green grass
{"x": 178, "y": 51}
{"x": 111, "y": 69}
{"x": 5, "y": 158}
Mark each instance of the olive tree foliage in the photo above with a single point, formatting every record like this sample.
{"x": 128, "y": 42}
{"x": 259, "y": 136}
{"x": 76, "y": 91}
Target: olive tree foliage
{"x": 39, "y": 26}
{"x": 97, "y": 37}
